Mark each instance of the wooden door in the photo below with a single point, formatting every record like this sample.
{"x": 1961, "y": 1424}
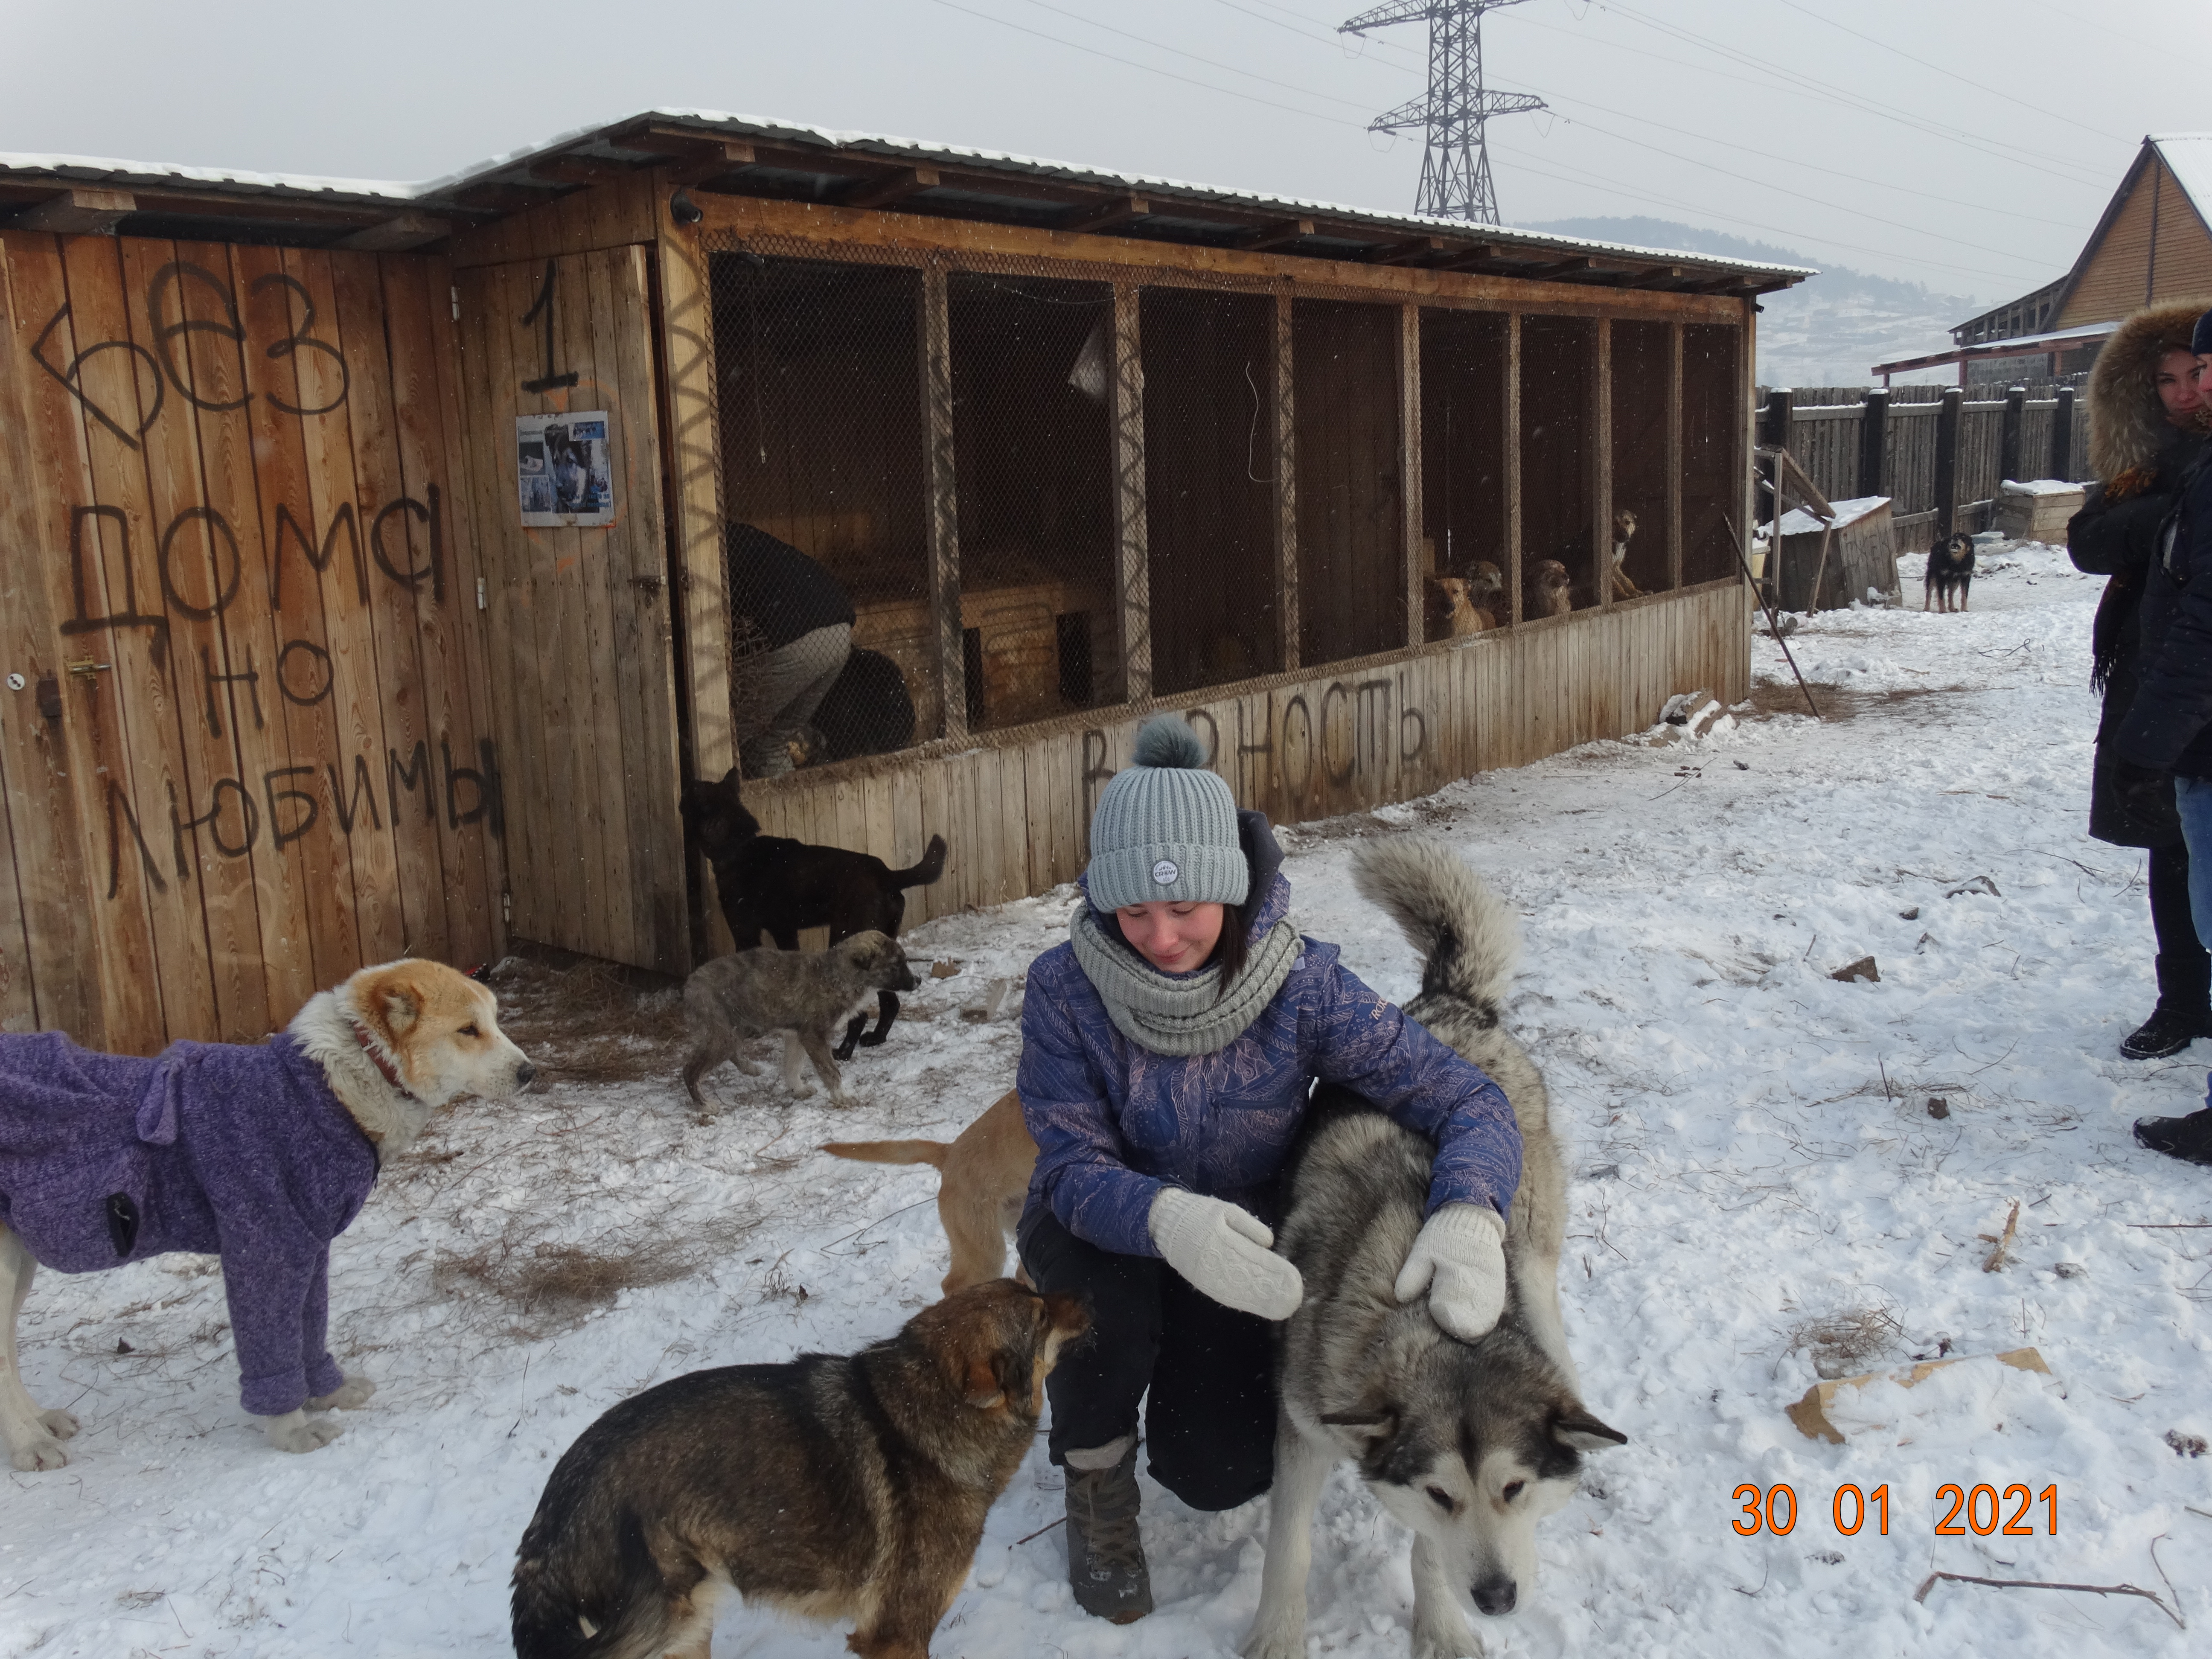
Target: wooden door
{"x": 581, "y": 652}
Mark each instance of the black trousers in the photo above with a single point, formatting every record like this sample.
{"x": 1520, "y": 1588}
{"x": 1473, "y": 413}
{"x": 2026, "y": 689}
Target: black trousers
{"x": 1205, "y": 1373}
{"x": 2184, "y": 972}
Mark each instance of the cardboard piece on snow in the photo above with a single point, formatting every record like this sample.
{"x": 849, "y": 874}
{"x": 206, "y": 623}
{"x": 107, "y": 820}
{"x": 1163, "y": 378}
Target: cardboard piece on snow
{"x": 1810, "y": 1414}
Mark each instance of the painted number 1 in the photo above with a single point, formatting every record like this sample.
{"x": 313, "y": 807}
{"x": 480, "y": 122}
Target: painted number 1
{"x": 550, "y": 380}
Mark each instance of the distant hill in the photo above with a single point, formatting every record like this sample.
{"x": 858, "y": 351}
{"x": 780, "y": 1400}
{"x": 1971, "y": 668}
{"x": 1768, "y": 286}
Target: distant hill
{"x": 1827, "y": 330}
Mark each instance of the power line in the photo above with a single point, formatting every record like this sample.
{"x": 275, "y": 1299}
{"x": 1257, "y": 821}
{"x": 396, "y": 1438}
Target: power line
{"x": 1210, "y": 63}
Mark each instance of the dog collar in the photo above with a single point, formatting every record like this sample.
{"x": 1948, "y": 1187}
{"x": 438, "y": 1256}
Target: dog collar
{"x": 391, "y": 1072}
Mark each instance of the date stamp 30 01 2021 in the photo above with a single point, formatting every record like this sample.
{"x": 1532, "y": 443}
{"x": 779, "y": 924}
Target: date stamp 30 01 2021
{"x": 1979, "y": 1508}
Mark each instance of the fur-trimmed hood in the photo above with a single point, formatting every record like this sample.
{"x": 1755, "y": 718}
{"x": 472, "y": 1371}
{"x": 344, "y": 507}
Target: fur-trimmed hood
{"x": 2127, "y": 423}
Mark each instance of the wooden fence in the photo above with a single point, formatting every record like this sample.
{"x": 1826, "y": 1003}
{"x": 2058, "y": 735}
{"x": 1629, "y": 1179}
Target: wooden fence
{"x": 241, "y": 745}
{"x": 1940, "y": 460}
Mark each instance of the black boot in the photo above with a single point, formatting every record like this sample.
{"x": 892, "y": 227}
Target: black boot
{"x": 2167, "y": 1031}
{"x": 2189, "y": 1138}
{"x": 1105, "y": 1553}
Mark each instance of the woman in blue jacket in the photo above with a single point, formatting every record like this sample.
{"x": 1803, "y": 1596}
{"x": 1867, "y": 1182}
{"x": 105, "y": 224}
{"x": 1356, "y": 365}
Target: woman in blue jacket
{"x": 1167, "y": 1051}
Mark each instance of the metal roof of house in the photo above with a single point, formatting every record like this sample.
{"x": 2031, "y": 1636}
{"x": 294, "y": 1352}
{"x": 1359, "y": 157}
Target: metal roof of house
{"x": 757, "y": 157}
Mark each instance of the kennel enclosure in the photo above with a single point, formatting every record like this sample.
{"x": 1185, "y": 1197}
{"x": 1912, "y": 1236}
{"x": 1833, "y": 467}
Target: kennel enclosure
{"x": 294, "y": 686}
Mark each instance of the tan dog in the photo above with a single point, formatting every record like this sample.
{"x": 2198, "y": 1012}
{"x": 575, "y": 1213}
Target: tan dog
{"x": 259, "y": 1154}
{"x": 1460, "y": 617}
{"x": 1624, "y": 531}
{"x": 986, "y": 1177}
{"x": 832, "y": 1487}
{"x": 1553, "y": 596}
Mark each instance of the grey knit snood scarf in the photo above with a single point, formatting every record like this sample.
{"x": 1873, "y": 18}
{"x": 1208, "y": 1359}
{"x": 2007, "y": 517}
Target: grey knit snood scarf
{"x": 1179, "y": 1014}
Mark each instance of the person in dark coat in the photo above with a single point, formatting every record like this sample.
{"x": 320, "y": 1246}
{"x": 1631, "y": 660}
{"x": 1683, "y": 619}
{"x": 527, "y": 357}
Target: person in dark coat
{"x": 2168, "y": 728}
{"x": 1167, "y": 1051}
{"x": 796, "y": 627}
{"x": 2146, "y": 427}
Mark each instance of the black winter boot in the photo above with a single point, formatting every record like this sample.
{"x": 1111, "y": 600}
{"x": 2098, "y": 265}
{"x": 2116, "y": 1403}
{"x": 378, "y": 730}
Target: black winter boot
{"x": 1105, "y": 1553}
{"x": 2167, "y": 1031}
{"x": 2189, "y": 1138}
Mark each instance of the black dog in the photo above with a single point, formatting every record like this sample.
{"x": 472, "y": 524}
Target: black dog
{"x": 1950, "y": 574}
{"x": 775, "y": 885}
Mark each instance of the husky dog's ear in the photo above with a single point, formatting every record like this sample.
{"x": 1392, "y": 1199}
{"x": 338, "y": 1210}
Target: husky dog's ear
{"x": 1578, "y": 1428}
{"x": 983, "y": 1390}
{"x": 1374, "y": 1426}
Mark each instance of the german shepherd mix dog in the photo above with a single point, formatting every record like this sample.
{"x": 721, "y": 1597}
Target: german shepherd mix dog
{"x": 807, "y": 995}
{"x": 1469, "y": 1444}
{"x": 259, "y": 1154}
{"x": 1950, "y": 574}
{"x": 834, "y": 1487}
{"x": 774, "y": 885}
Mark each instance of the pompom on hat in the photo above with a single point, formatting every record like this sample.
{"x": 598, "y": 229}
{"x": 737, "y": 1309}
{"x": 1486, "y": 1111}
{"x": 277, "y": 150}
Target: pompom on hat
{"x": 1165, "y": 828}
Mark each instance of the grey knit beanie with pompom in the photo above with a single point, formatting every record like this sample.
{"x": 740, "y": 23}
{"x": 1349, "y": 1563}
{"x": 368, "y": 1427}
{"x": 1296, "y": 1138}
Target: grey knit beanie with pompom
{"x": 1166, "y": 827}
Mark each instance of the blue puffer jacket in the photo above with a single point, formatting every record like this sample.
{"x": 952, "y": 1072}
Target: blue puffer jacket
{"x": 1114, "y": 1122}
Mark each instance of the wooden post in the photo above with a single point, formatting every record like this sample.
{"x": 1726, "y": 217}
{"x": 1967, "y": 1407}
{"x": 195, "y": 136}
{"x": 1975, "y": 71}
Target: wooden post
{"x": 1410, "y": 515}
{"x": 1946, "y": 460}
{"x": 943, "y": 519}
{"x": 1130, "y": 540}
{"x": 1674, "y": 454}
{"x": 2010, "y": 434}
{"x": 1874, "y": 441}
{"x": 1600, "y": 463}
{"x": 1512, "y": 479}
{"x": 1774, "y": 423}
{"x": 1284, "y": 446}
{"x": 2062, "y": 435}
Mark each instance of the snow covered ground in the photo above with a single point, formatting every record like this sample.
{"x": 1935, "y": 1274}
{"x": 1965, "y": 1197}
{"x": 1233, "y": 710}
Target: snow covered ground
{"x": 1752, "y": 1150}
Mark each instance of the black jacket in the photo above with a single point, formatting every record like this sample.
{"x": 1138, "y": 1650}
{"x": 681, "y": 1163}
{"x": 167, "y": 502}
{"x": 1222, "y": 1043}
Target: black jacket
{"x": 2169, "y": 724}
{"x": 778, "y": 590}
{"x": 2115, "y": 538}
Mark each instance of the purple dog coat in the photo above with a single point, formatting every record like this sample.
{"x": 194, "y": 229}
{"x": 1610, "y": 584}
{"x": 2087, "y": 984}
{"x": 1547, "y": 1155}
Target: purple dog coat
{"x": 230, "y": 1150}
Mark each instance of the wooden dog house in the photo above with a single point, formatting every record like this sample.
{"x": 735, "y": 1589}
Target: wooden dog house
{"x": 290, "y": 686}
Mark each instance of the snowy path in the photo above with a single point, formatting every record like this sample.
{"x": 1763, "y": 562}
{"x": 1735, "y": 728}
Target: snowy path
{"x": 1752, "y": 1150}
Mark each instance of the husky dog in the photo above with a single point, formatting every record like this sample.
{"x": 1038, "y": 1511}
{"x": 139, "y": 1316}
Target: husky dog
{"x": 986, "y": 1173}
{"x": 259, "y": 1154}
{"x": 748, "y": 994}
{"x": 1950, "y": 574}
{"x": 1469, "y": 1444}
{"x": 835, "y": 1487}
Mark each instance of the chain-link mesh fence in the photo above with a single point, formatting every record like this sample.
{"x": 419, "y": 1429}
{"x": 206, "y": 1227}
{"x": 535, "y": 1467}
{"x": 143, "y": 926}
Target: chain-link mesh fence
{"x": 1637, "y": 541}
{"x": 1210, "y": 486}
{"x": 1032, "y": 442}
{"x": 1463, "y": 452}
{"x": 821, "y": 412}
{"x": 1345, "y": 380}
{"x": 1558, "y": 433}
{"x": 1713, "y": 428}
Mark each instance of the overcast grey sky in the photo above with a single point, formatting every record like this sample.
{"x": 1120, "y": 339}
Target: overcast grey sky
{"x": 1969, "y": 144}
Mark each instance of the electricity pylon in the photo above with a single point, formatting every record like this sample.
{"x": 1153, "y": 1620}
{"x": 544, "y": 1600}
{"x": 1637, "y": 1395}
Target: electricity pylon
{"x": 1456, "y": 164}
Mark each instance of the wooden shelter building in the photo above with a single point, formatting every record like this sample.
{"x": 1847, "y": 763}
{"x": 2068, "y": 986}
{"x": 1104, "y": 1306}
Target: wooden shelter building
{"x": 290, "y": 685}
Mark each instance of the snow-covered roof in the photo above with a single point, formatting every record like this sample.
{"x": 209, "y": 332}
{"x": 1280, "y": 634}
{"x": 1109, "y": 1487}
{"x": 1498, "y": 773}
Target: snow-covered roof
{"x": 1799, "y": 522}
{"x": 2188, "y": 157}
{"x": 791, "y": 152}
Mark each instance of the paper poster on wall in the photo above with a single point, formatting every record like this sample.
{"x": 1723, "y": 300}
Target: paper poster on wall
{"x": 563, "y": 471}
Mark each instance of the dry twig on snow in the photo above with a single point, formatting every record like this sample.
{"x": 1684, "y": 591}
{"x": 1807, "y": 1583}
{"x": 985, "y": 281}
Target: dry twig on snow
{"x": 2003, "y": 1245}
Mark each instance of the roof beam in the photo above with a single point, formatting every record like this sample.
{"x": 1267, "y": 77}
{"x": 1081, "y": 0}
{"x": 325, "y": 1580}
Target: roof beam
{"x": 1275, "y": 235}
{"x": 1414, "y": 247}
{"x": 396, "y": 234}
{"x": 1120, "y": 211}
{"x": 893, "y": 186}
{"x": 78, "y": 212}
{"x": 579, "y": 169}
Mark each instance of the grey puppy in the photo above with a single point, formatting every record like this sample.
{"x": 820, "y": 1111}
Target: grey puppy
{"x": 807, "y": 994}
{"x": 1468, "y": 1443}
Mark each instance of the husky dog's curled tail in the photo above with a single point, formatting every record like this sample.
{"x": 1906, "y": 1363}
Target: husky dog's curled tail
{"x": 1468, "y": 941}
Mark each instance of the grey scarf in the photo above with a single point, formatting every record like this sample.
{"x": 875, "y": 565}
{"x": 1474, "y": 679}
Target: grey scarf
{"x": 1179, "y": 1014}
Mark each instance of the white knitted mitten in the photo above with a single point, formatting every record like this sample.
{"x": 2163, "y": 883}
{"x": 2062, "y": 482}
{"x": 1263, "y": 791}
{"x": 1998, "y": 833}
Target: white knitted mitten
{"x": 1225, "y": 1252}
{"x": 1460, "y": 1261}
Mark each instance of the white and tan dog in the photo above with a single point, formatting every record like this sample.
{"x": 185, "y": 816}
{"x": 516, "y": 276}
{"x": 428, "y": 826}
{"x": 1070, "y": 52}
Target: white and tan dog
{"x": 260, "y": 1154}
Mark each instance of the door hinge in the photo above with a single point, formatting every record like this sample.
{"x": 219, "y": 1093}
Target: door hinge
{"x": 480, "y": 592}
{"x": 456, "y": 293}
{"x": 507, "y": 907}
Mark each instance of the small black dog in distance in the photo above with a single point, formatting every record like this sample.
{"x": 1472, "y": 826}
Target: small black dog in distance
{"x": 774, "y": 885}
{"x": 1950, "y": 574}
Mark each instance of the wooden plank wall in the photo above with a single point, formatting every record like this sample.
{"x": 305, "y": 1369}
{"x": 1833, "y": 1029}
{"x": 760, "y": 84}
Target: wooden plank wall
{"x": 1015, "y": 811}
{"x": 2119, "y": 276}
{"x": 250, "y": 753}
